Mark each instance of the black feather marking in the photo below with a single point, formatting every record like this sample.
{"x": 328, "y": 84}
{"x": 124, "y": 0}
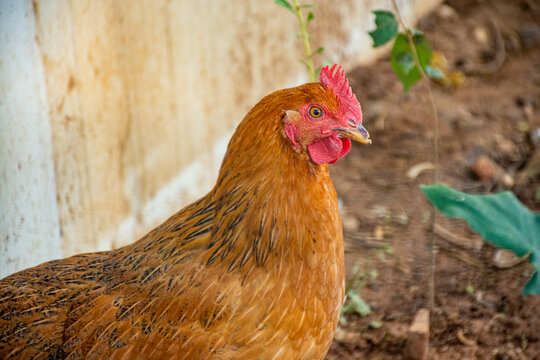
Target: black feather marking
{"x": 245, "y": 257}
{"x": 204, "y": 221}
{"x": 196, "y": 233}
{"x": 170, "y": 252}
{"x": 124, "y": 312}
{"x": 222, "y": 178}
{"x": 233, "y": 207}
{"x": 56, "y": 353}
{"x": 213, "y": 257}
{"x": 118, "y": 301}
{"x": 169, "y": 285}
{"x": 231, "y": 240}
{"x": 178, "y": 227}
{"x": 236, "y": 221}
{"x": 221, "y": 201}
{"x": 114, "y": 342}
{"x": 185, "y": 257}
{"x": 146, "y": 327}
{"x": 201, "y": 211}
{"x": 256, "y": 248}
{"x": 150, "y": 274}
{"x": 271, "y": 235}
{"x": 237, "y": 204}
{"x": 232, "y": 264}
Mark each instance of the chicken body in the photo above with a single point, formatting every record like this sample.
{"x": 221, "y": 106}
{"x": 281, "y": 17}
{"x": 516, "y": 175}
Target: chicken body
{"x": 253, "y": 270}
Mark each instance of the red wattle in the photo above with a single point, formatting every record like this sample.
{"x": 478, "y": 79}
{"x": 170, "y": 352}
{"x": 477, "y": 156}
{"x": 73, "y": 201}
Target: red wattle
{"x": 346, "y": 147}
{"x": 328, "y": 150}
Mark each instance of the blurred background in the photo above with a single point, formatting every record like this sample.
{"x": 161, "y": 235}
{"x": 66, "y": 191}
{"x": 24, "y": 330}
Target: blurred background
{"x": 115, "y": 114}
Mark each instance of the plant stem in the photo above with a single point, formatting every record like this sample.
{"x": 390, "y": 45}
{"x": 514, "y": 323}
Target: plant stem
{"x": 431, "y": 283}
{"x": 305, "y": 38}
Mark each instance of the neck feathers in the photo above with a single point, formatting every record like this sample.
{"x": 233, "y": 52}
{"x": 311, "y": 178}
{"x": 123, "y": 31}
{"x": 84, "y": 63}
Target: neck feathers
{"x": 271, "y": 200}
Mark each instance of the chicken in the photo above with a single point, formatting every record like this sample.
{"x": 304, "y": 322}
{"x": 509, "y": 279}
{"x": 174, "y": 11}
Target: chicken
{"x": 253, "y": 270}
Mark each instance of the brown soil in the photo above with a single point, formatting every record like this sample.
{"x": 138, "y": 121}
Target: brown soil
{"x": 479, "y": 312}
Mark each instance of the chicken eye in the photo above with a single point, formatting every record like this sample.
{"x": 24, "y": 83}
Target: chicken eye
{"x": 315, "y": 112}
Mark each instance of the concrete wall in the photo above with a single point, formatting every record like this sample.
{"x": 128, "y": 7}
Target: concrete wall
{"x": 114, "y": 114}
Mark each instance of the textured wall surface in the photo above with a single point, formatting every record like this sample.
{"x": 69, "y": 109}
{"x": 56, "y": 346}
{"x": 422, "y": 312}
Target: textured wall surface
{"x": 115, "y": 114}
{"x": 29, "y": 229}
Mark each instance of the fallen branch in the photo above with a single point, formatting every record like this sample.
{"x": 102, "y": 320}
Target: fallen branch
{"x": 464, "y": 340}
{"x": 498, "y": 60}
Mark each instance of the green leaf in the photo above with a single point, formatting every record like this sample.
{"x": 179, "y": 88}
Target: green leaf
{"x": 402, "y": 58}
{"x": 355, "y": 304}
{"x": 433, "y": 72}
{"x": 386, "y": 27}
{"x": 287, "y": 5}
{"x": 309, "y": 6}
{"x": 405, "y": 61}
{"x": 310, "y": 17}
{"x": 318, "y": 51}
{"x": 500, "y": 219}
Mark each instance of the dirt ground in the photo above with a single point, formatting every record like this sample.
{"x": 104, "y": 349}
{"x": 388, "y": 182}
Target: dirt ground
{"x": 495, "y": 114}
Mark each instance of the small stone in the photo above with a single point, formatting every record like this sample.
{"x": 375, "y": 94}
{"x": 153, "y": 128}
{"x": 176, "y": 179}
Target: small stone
{"x": 350, "y": 223}
{"x": 446, "y": 12}
{"x": 418, "y": 337}
{"x": 480, "y": 34}
{"x": 379, "y": 233}
{"x": 534, "y": 135}
{"x": 507, "y": 180}
{"x": 485, "y": 169}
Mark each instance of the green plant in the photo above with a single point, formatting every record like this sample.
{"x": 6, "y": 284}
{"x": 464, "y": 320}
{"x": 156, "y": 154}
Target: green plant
{"x": 296, "y": 9}
{"x": 362, "y": 274}
{"x": 354, "y": 304}
{"x": 409, "y": 49}
{"x": 500, "y": 219}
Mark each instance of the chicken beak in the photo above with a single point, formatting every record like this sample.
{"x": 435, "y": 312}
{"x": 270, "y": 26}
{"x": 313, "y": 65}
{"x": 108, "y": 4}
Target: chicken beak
{"x": 358, "y": 133}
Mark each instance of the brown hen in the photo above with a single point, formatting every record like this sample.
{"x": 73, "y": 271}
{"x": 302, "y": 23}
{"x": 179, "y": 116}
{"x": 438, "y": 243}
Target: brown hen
{"x": 253, "y": 270}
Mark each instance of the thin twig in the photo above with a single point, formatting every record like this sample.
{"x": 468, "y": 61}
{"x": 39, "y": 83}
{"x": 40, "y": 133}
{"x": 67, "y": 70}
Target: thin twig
{"x": 305, "y": 38}
{"x": 431, "y": 284}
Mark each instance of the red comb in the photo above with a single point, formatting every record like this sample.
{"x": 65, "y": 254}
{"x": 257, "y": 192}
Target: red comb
{"x": 340, "y": 85}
